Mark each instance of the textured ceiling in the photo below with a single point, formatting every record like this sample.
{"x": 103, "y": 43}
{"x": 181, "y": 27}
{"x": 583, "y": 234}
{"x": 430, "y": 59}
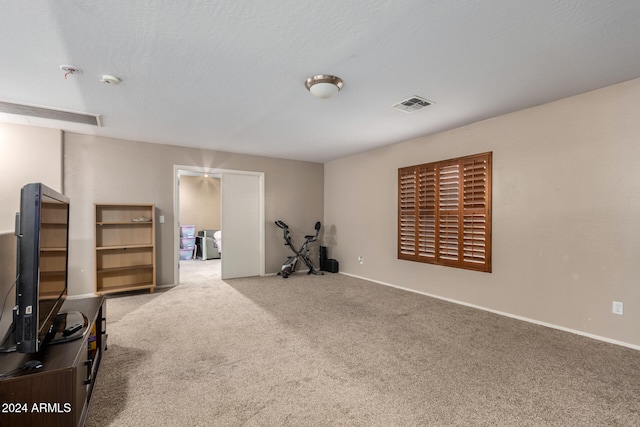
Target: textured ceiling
{"x": 229, "y": 74}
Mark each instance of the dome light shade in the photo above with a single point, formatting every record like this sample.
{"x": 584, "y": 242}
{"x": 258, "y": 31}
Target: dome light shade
{"x": 324, "y": 86}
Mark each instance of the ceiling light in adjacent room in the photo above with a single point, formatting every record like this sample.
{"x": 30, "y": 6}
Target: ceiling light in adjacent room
{"x": 324, "y": 86}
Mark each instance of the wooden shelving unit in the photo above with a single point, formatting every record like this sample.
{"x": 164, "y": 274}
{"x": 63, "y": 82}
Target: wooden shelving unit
{"x": 125, "y": 238}
{"x": 53, "y": 252}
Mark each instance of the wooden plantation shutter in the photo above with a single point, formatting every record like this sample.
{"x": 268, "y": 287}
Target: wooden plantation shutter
{"x": 407, "y": 213}
{"x": 427, "y": 212}
{"x": 448, "y": 213}
{"x": 444, "y": 212}
{"x": 477, "y": 211}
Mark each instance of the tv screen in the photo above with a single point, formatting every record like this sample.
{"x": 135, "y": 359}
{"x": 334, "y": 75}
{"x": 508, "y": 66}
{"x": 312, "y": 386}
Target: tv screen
{"x": 43, "y": 239}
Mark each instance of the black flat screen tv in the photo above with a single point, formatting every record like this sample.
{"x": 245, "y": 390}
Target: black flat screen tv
{"x": 42, "y": 227}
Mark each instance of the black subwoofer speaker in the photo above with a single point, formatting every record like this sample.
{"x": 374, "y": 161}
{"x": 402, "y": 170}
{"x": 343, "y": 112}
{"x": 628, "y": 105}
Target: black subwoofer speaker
{"x": 331, "y": 265}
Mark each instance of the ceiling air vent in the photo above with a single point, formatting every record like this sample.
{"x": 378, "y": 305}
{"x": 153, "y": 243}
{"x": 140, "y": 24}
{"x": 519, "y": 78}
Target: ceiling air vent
{"x": 49, "y": 113}
{"x": 412, "y": 104}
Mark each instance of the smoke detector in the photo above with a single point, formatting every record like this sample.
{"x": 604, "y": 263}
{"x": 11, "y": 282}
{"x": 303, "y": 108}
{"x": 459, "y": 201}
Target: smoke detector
{"x": 109, "y": 79}
{"x": 70, "y": 70}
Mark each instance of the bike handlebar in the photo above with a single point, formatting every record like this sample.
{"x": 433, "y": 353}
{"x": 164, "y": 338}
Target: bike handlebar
{"x": 309, "y": 238}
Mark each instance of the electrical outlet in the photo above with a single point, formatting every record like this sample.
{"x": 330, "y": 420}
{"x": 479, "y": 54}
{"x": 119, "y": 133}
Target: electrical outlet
{"x": 361, "y": 259}
{"x": 618, "y": 308}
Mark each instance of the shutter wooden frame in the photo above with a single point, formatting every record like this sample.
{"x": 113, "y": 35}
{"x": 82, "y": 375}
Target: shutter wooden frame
{"x": 444, "y": 212}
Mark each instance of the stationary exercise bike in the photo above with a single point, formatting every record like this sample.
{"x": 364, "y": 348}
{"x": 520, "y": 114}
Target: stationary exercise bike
{"x": 289, "y": 265}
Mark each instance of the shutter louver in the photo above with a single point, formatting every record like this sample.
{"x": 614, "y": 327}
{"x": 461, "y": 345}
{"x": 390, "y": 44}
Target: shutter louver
{"x": 427, "y": 212}
{"x": 448, "y": 237}
{"x": 407, "y": 213}
{"x": 475, "y": 184}
{"x": 475, "y": 212}
{"x": 474, "y": 238}
{"x": 448, "y": 203}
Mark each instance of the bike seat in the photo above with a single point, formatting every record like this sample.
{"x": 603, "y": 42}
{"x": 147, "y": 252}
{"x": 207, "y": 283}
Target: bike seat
{"x": 309, "y": 237}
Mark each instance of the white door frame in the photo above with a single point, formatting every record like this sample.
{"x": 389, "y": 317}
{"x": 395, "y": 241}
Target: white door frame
{"x": 176, "y": 210}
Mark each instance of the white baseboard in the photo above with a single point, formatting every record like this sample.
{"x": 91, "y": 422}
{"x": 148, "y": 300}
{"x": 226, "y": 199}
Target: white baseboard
{"x": 501, "y": 313}
{"x": 270, "y": 274}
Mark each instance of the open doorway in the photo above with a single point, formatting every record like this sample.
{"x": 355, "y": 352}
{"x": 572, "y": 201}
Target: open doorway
{"x": 199, "y": 222}
{"x": 241, "y": 218}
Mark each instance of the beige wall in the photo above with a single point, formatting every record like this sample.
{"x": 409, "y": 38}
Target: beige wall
{"x": 566, "y": 205}
{"x": 200, "y": 202}
{"x": 108, "y": 170}
{"x": 27, "y": 154}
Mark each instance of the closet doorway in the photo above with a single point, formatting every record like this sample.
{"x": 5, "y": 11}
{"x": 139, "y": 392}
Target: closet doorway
{"x": 240, "y": 217}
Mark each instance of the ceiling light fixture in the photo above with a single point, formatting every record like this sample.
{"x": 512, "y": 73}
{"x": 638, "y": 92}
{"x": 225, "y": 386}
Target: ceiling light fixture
{"x": 324, "y": 86}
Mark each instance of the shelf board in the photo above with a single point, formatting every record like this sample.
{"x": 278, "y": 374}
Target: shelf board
{"x": 50, "y": 296}
{"x": 124, "y": 222}
{"x": 46, "y": 273}
{"x": 116, "y": 269}
{"x": 106, "y": 248}
{"x": 125, "y": 288}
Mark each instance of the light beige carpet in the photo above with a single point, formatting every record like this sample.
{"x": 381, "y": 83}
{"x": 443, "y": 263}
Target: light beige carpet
{"x": 334, "y": 350}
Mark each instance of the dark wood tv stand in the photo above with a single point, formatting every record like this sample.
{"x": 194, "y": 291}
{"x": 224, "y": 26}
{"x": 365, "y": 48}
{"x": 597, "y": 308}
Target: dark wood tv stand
{"x": 58, "y": 393}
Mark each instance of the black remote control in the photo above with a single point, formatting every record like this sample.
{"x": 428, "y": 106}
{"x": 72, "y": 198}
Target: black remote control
{"x": 72, "y": 330}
